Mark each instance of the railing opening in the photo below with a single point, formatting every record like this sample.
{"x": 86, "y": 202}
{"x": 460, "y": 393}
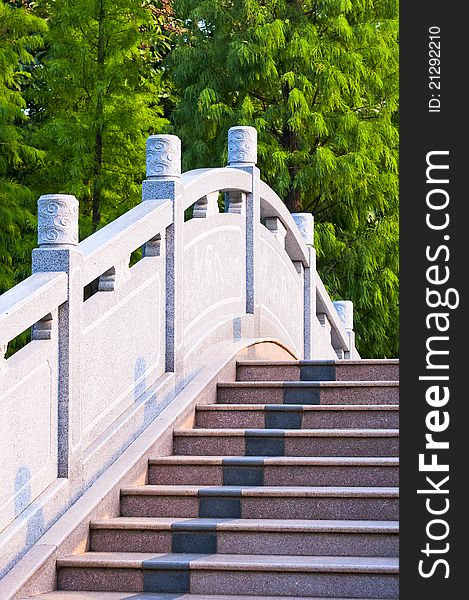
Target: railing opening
{"x": 17, "y": 343}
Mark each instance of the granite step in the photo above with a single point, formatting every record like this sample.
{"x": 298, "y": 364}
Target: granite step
{"x": 272, "y": 471}
{"x": 307, "y": 392}
{"x": 318, "y": 370}
{"x": 261, "y": 502}
{"x": 73, "y": 595}
{"x": 286, "y": 442}
{"x": 297, "y": 416}
{"x": 370, "y": 577}
{"x": 246, "y": 536}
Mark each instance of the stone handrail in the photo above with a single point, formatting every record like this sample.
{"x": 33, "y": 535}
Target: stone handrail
{"x": 272, "y": 207}
{"x": 116, "y": 241}
{"x": 334, "y": 312}
{"x": 102, "y": 365}
{"x": 200, "y": 182}
{"x": 29, "y": 301}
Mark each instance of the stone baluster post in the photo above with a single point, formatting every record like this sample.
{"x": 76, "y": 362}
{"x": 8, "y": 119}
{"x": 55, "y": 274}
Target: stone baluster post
{"x": 279, "y": 231}
{"x": 344, "y": 309}
{"x": 58, "y": 240}
{"x": 242, "y": 154}
{"x": 163, "y": 182}
{"x": 305, "y": 223}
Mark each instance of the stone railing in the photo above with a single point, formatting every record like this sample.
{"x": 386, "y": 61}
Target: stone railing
{"x": 98, "y": 370}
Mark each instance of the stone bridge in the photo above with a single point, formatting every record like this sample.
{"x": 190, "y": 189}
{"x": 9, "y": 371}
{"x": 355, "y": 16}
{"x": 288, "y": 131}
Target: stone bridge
{"x": 120, "y": 348}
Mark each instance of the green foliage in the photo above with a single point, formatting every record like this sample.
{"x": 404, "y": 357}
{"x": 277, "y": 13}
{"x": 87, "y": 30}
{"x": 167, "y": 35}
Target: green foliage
{"x": 318, "y": 79}
{"x": 94, "y": 101}
{"x": 20, "y": 36}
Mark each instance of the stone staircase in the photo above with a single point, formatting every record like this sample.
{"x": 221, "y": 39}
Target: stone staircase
{"x": 287, "y": 487}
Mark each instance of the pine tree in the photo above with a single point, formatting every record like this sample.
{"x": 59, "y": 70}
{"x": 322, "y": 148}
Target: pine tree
{"x": 95, "y": 101}
{"x": 20, "y": 36}
{"x": 318, "y": 80}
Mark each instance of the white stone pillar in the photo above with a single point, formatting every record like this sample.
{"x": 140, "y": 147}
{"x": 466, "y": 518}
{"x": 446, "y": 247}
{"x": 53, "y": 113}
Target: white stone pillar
{"x": 305, "y": 223}
{"x": 344, "y": 309}
{"x": 163, "y": 160}
{"x": 58, "y": 241}
{"x": 242, "y": 154}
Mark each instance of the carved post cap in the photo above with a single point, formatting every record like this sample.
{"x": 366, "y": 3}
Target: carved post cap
{"x": 163, "y": 156}
{"x": 57, "y": 222}
{"x": 305, "y": 223}
{"x": 242, "y": 145}
{"x": 344, "y": 309}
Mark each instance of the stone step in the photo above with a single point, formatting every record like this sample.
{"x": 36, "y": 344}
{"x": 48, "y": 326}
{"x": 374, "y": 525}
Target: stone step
{"x": 286, "y": 442}
{"x": 309, "y": 393}
{"x": 246, "y": 536}
{"x": 297, "y": 416}
{"x": 261, "y": 502}
{"x": 371, "y": 577}
{"x": 68, "y": 595}
{"x": 271, "y": 471}
{"x": 318, "y": 370}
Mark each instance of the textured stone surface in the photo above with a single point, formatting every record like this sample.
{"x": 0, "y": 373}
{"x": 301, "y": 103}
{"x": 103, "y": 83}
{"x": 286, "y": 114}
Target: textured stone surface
{"x": 267, "y": 372}
{"x": 100, "y": 579}
{"x": 57, "y": 220}
{"x": 200, "y": 445}
{"x": 266, "y": 502}
{"x": 320, "y": 507}
{"x": 275, "y": 471}
{"x": 281, "y": 293}
{"x": 344, "y": 309}
{"x": 368, "y": 371}
{"x": 336, "y": 445}
{"x": 280, "y": 416}
{"x": 125, "y": 540}
{"x": 372, "y": 586}
{"x": 215, "y": 273}
{"x": 163, "y": 156}
{"x": 185, "y": 474}
{"x": 278, "y": 230}
{"x": 136, "y": 505}
{"x": 28, "y": 467}
{"x": 243, "y": 394}
{"x": 379, "y": 392}
{"x": 206, "y": 417}
{"x": 320, "y": 442}
{"x": 242, "y": 145}
{"x": 362, "y": 418}
{"x": 305, "y": 223}
{"x": 319, "y": 544}
{"x": 325, "y": 392}
{"x": 256, "y": 574}
{"x": 62, "y": 595}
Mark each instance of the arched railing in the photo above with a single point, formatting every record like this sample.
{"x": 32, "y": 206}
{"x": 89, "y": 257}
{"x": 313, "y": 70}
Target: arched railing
{"x": 101, "y": 367}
